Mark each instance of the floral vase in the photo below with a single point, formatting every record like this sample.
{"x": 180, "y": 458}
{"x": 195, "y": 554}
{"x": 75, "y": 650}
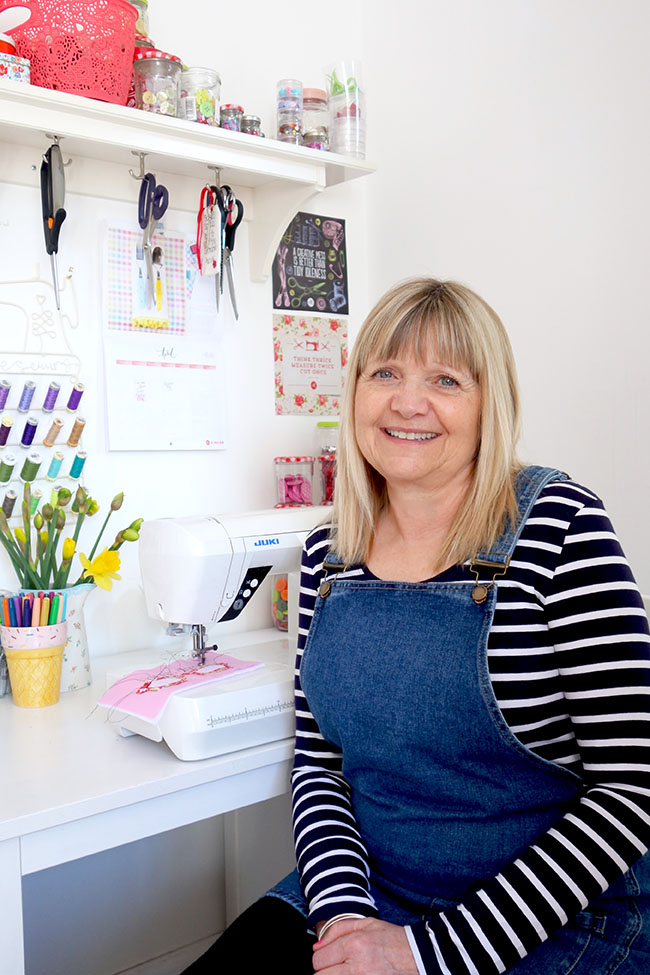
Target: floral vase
{"x": 75, "y": 671}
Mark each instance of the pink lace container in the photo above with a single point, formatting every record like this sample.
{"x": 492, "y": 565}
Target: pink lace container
{"x": 84, "y": 47}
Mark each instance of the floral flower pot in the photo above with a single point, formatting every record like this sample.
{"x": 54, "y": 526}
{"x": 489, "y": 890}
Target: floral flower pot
{"x": 75, "y": 670}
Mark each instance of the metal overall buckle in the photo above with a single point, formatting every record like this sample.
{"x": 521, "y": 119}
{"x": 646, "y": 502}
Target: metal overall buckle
{"x": 326, "y": 585}
{"x": 481, "y": 589}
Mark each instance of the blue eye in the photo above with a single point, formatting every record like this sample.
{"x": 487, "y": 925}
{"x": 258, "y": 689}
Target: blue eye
{"x": 383, "y": 374}
{"x": 448, "y": 381}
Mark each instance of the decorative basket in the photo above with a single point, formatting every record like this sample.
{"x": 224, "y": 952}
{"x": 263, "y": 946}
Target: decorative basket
{"x": 84, "y": 47}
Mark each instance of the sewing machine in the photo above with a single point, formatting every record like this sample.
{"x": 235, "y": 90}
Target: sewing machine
{"x": 202, "y": 570}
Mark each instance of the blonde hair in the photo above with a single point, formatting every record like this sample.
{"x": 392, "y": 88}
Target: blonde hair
{"x": 466, "y": 333}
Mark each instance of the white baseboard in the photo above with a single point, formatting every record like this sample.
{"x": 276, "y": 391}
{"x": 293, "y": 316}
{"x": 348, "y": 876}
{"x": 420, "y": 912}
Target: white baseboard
{"x": 172, "y": 963}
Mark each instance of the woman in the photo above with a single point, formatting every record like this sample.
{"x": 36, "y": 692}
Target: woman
{"x": 472, "y": 773}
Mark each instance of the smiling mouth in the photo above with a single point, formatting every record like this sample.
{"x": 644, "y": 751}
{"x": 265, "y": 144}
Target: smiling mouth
{"x": 409, "y": 435}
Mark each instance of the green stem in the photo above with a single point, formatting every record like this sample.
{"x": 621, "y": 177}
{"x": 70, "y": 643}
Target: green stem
{"x": 101, "y": 532}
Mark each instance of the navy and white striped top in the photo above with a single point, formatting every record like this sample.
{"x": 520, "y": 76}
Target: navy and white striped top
{"x": 569, "y": 659}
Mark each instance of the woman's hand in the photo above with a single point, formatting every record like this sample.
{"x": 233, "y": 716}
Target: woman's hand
{"x": 364, "y": 946}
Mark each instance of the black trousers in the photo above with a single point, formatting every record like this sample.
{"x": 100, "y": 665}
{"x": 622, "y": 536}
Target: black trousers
{"x": 269, "y": 936}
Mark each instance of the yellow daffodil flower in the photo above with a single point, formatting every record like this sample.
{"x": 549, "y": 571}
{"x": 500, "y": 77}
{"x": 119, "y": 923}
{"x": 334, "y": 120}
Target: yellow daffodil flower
{"x": 20, "y": 535}
{"x": 103, "y": 568}
{"x": 68, "y": 548}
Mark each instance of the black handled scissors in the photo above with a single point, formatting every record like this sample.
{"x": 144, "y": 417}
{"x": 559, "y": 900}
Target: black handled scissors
{"x": 152, "y": 206}
{"x": 52, "y": 200}
{"x": 229, "y": 246}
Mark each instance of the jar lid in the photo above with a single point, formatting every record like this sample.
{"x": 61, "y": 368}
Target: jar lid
{"x": 203, "y": 71}
{"x": 293, "y": 460}
{"x": 251, "y": 118}
{"x": 318, "y": 94}
{"x": 228, "y": 107}
{"x": 327, "y": 423}
{"x": 331, "y": 457}
{"x": 147, "y": 54}
{"x": 293, "y": 504}
{"x": 141, "y": 40}
{"x": 8, "y": 40}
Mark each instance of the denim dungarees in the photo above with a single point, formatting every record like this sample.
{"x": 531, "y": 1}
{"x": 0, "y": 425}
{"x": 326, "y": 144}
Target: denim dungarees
{"x": 445, "y": 796}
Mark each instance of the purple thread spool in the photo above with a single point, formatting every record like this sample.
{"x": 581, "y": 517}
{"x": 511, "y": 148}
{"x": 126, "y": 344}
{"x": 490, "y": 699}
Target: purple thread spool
{"x": 28, "y": 432}
{"x": 75, "y": 397}
{"x": 27, "y": 396}
{"x": 5, "y": 429}
{"x": 50, "y": 397}
{"x": 5, "y": 386}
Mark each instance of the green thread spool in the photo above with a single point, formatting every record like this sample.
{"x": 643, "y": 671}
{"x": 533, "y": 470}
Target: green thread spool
{"x": 37, "y": 496}
{"x": 30, "y": 467}
{"x": 54, "y": 497}
{"x": 9, "y": 502}
{"x": 7, "y": 468}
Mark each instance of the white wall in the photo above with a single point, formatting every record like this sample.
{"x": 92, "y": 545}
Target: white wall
{"x": 513, "y": 154}
{"x": 512, "y": 151}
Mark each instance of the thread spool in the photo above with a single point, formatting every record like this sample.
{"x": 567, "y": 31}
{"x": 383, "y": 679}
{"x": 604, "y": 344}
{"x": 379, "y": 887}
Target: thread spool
{"x": 54, "y": 497}
{"x": 28, "y": 433}
{"x": 27, "y": 396}
{"x": 76, "y": 431}
{"x": 5, "y": 387}
{"x": 7, "y": 465}
{"x": 30, "y": 467}
{"x": 75, "y": 397}
{"x": 37, "y": 496}
{"x": 53, "y": 432}
{"x": 77, "y": 465}
{"x": 5, "y": 429}
{"x": 9, "y": 502}
{"x": 55, "y": 466}
{"x": 50, "y": 397}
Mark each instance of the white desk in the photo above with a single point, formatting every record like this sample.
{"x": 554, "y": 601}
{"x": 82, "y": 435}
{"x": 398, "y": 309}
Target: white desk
{"x": 72, "y": 787}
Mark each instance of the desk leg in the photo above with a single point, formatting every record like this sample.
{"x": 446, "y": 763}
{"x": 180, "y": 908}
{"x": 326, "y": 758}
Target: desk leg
{"x": 11, "y": 913}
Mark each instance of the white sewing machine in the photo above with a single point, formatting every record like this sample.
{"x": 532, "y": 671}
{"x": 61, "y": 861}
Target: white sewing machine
{"x": 202, "y": 570}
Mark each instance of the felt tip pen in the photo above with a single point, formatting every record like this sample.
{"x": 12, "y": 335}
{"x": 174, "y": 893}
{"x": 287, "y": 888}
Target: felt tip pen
{"x": 36, "y": 612}
{"x": 54, "y": 610}
{"x": 17, "y": 610}
{"x": 45, "y": 610}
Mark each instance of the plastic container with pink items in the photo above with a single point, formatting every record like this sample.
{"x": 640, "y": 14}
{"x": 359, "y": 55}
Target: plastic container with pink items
{"x": 294, "y": 479}
{"x": 157, "y": 82}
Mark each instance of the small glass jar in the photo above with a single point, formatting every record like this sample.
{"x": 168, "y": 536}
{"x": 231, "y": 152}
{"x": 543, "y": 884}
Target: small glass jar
{"x": 327, "y": 464}
{"x": 200, "y": 91}
{"x": 251, "y": 124}
{"x": 157, "y": 82}
{"x": 289, "y": 110}
{"x": 230, "y": 117}
{"x": 280, "y": 601}
{"x": 315, "y": 118}
{"x": 294, "y": 479}
{"x": 142, "y": 23}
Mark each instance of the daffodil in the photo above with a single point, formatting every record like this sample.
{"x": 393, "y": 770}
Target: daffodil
{"x": 69, "y": 547}
{"x": 102, "y": 569}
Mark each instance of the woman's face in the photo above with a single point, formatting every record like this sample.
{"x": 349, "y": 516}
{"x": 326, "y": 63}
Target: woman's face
{"x": 417, "y": 423}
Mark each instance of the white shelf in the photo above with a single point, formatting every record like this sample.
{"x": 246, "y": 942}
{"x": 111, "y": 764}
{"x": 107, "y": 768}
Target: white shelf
{"x": 280, "y": 177}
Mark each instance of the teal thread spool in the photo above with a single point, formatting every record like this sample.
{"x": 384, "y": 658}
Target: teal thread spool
{"x": 30, "y": 467}
{"x": 77, "y": 465}
{"x": 55, "y": 466}
{"x": 37, "y": 497}
{"x": 9, "y": 502}
{"x": 7, "y": 468}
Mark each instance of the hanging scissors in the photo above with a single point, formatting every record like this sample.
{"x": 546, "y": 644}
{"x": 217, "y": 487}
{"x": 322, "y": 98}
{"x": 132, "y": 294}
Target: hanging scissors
{"x": 152, "y": 206}
{"x": 52, "y": 200}
{"x": 232, "y": 223}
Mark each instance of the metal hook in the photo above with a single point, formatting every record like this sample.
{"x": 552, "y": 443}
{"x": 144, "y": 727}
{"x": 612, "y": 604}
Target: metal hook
{"x": 56, "y": 139}
{"x": 142, "y": 156}
{"x": 217, "y": 175}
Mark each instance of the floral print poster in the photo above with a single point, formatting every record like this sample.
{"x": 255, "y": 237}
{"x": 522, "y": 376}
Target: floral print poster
{"x": 310, "y": 353}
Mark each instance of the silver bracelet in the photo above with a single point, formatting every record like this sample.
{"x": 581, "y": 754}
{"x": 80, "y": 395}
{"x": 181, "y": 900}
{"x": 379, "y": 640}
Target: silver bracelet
{"x": 337, "y": 917}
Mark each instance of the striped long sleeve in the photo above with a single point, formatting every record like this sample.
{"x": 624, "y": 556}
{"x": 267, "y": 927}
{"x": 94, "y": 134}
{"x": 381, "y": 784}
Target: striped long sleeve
{"x": 569, "y": 659}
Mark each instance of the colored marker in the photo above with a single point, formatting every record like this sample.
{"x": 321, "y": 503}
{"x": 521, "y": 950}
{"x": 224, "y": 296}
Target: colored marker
{"x": 54, "y": 610}
{"x": 59, "y": 615}
{"x": 45, "y": 610}
{"x": 5, "y": 611}
{"x": 36, "y": 612}
{"x": 19, "y": 617}
{"x": 12, "y": 613}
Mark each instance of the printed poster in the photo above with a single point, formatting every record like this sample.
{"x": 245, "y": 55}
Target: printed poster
{"x": 310, "y": 354}
{"x": 161, "y": 355}
{"x": 310, "y": 266}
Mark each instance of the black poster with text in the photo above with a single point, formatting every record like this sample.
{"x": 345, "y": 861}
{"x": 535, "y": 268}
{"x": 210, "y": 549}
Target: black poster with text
{"x": 310, "y": 266}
